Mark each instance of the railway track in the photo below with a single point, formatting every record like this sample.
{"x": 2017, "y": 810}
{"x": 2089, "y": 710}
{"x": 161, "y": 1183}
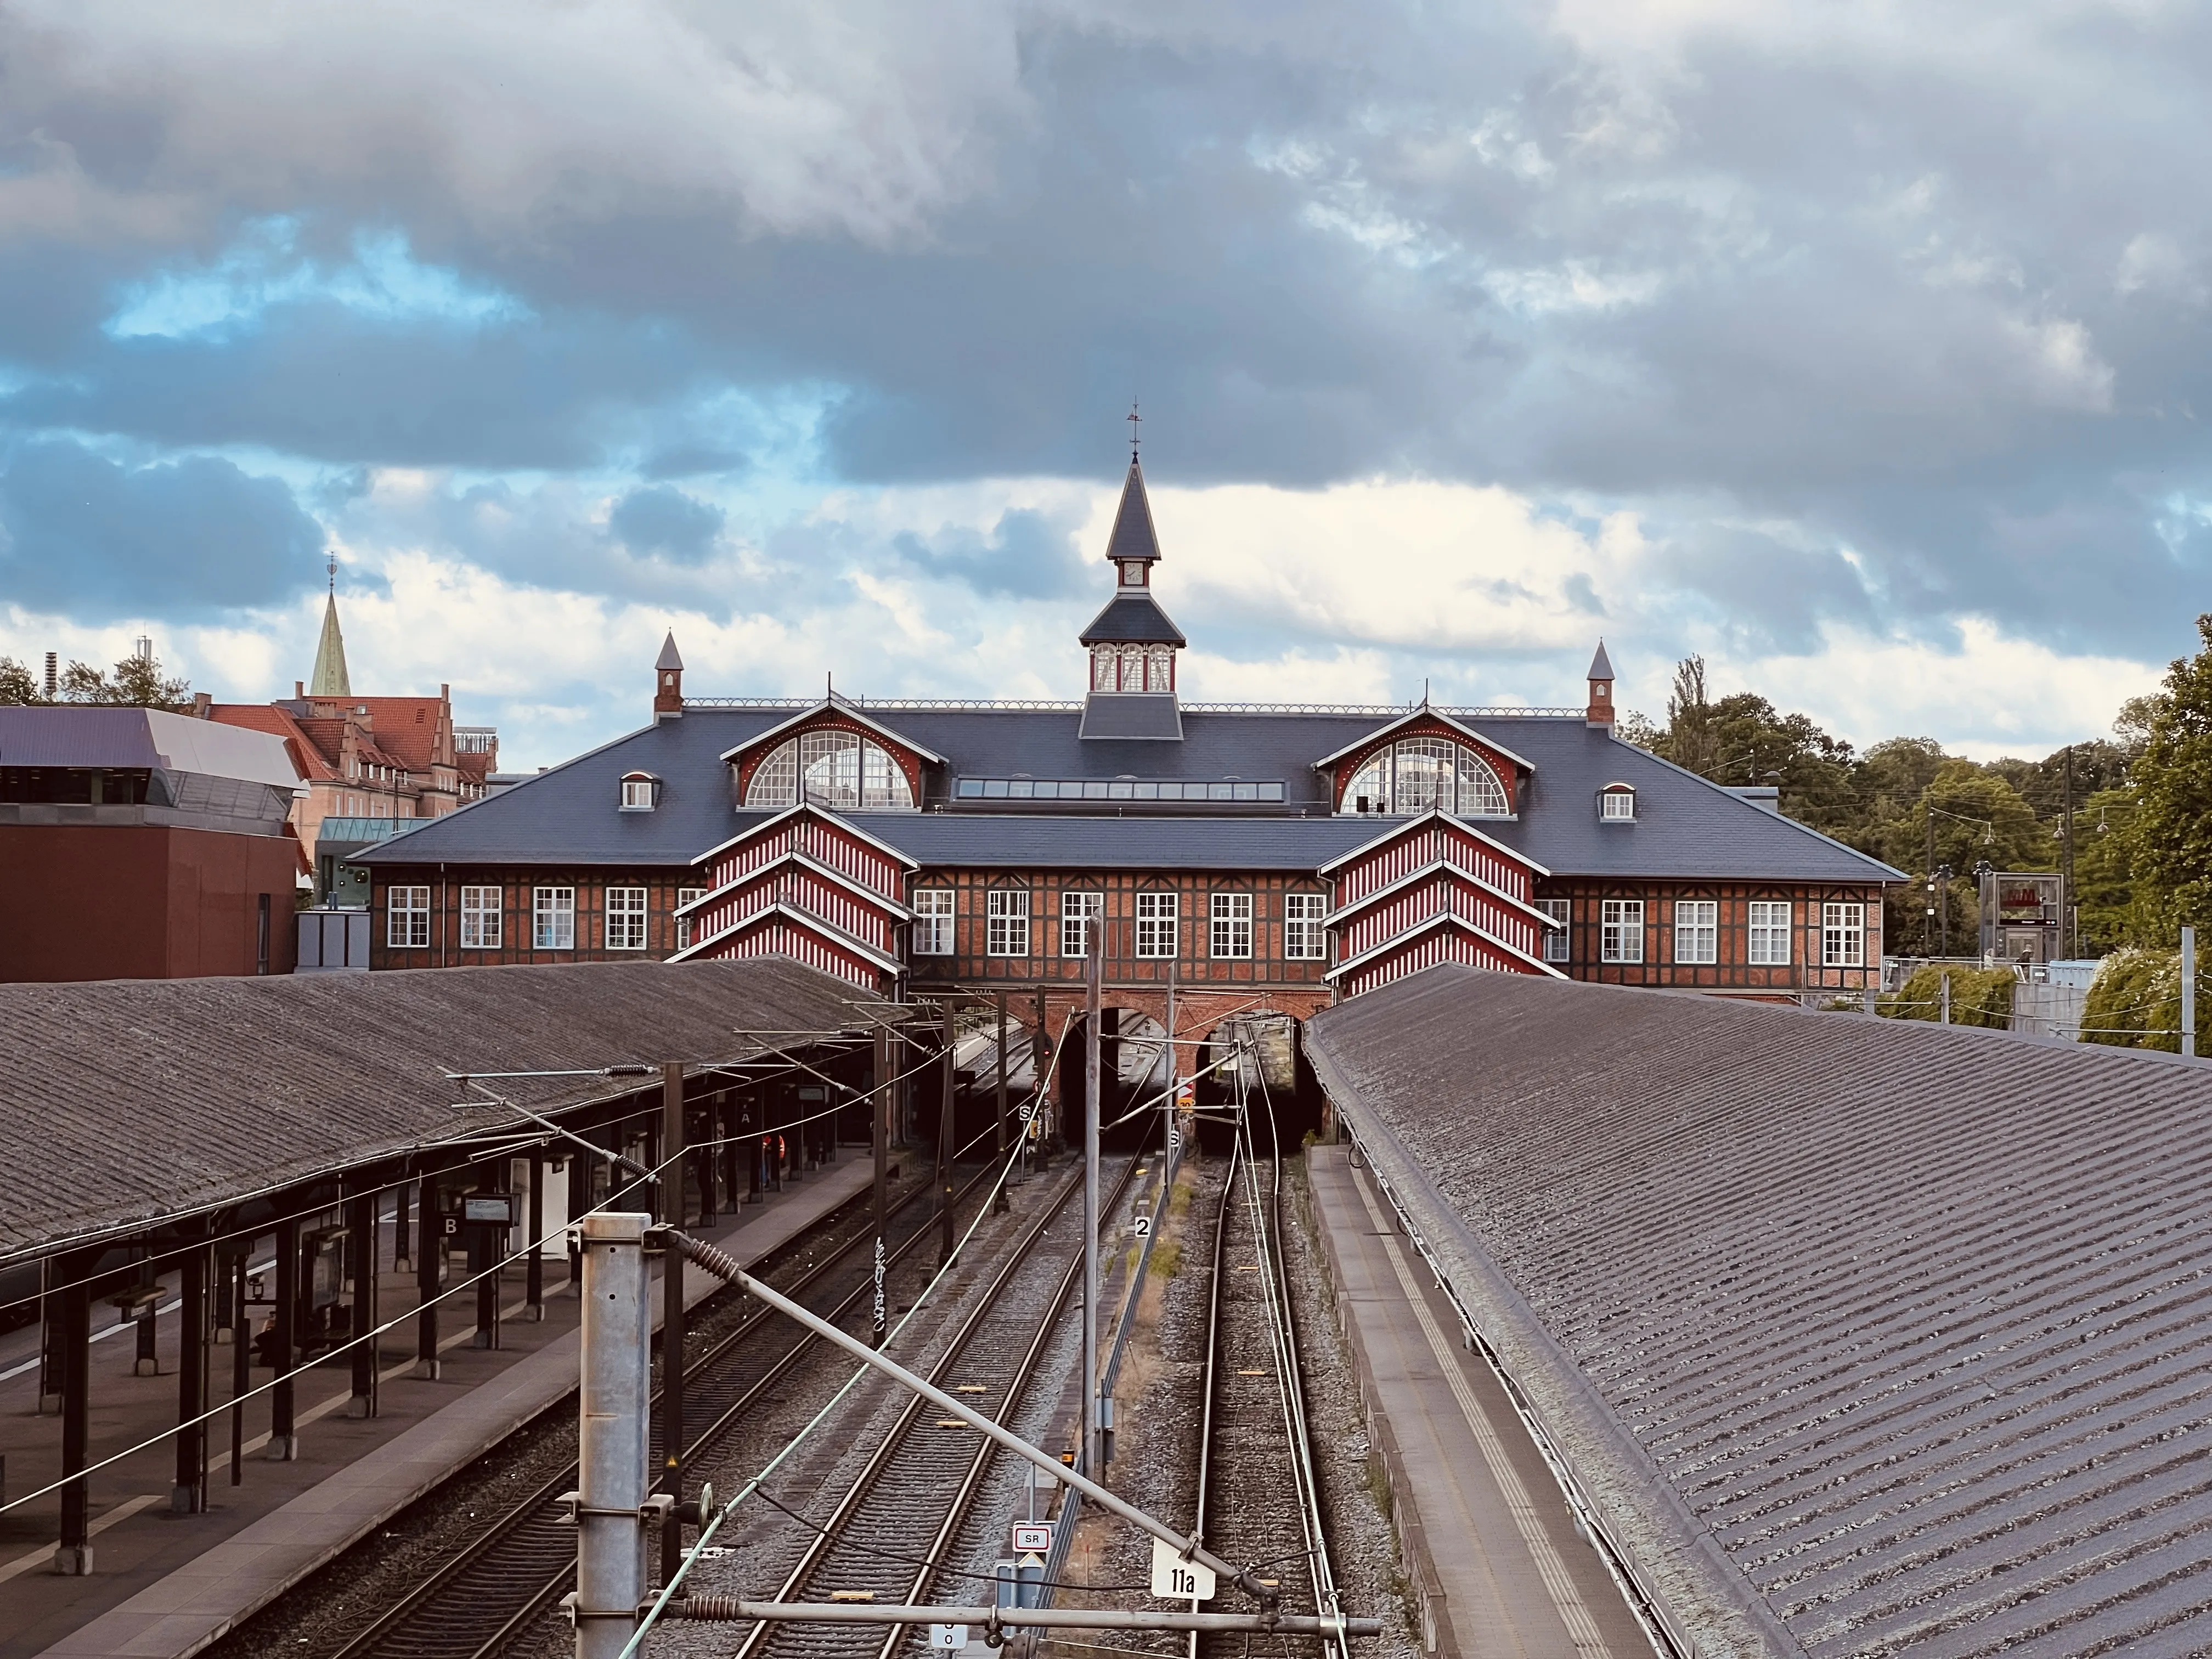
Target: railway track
{"x": 1258, "y": 1498}
{"x": 526, "y": 1558}
{"x": 906, "y": 1506}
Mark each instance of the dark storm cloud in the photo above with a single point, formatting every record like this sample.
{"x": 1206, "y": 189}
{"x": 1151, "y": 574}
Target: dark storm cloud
{"x": 661, "y": 519}
{"x": 1027, "y": 554}
{"x": 1928, "y": 292}
{"x": 85, "y": 537}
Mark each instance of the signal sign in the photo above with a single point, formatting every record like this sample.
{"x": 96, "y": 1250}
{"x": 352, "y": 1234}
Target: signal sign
{"x": 948, "y": 1638}
{"x": 1177, "y": 1580}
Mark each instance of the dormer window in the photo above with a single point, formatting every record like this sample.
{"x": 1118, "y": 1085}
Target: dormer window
{"x": 834, "y": 768}
{"x": 639, "y": 790}
{"x": 1617, "y": 804}
{"x": 1418, "y": 775}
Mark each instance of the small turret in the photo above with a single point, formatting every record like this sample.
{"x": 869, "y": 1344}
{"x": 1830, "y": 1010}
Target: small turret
{"x": 668, "y": 681}
{"x": 1599, "y": 712}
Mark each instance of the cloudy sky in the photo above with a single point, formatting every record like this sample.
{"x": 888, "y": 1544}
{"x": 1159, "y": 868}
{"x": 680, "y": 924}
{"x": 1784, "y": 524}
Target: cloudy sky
{"x": 1858, "y": 346}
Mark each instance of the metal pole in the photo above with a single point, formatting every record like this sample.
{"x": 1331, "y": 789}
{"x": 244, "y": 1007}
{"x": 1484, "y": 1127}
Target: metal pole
{"x": 361, "y": 1256}
{"x": 429, "y": 1261}
{"x": 2189, "y": 992}
{"x": 2069, "y": 946}
{"x": 880, "y": 1133}
{"x": 74, "y": 1557}
{"x": 187, "y": 1495}
{"x": 284, "y": 1427}
{"x": 241, "y": 1362}
{"x": 998, "y": 1198}
{"x": 533, "y": 1272}
{"x": 614, "y": 1395}
{"x": 945, "y": 1133}
{"x": 1093, "y": 998}
{"x": 671, "y": 1318}
{"x": 1944, "y": 997}
{"x": 733, "y": 1609}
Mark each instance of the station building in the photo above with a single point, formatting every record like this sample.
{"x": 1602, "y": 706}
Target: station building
{"x": 1280, "y": 856}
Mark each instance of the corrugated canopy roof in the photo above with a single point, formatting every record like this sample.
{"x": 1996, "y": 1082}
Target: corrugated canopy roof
{"x": 1872, "y": 1336}
{"x": 130, "y": 1101}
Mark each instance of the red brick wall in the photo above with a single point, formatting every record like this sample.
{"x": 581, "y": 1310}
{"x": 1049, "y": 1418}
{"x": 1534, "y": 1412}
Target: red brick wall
{"x": 591, "y": 883}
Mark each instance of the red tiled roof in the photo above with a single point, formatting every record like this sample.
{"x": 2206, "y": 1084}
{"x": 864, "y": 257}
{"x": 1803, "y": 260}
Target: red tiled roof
{"x": 404, "y": 726}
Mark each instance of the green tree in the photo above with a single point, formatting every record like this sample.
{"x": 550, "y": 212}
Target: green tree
{"x": 2104, "y": 882}
{"x": 1690, "y": 740}
{"x": 136, "y": 683}
{"x": 2170, "y": 851}
{"x": 18, "y": 683}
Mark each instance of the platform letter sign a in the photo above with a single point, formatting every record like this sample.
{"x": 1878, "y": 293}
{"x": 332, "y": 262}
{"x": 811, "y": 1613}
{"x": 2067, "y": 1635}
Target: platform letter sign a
{"x": 1177, "y": 1579}
{"x": 948, "y": 1638}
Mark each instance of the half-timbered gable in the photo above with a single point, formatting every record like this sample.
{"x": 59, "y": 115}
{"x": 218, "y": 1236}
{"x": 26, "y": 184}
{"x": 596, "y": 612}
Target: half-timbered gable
{"x": 817, "y": 873}
{"x": 1434, "y": 890}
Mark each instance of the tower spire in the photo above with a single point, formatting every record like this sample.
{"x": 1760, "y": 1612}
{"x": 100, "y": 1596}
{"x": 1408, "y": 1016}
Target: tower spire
{"x": 329, "y": 679}
{"x": 1135, "y": 421}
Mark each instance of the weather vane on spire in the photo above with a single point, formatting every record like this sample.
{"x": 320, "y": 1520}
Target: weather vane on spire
{"x": 333, "y": 568}
{"x": 1134, "y": 420}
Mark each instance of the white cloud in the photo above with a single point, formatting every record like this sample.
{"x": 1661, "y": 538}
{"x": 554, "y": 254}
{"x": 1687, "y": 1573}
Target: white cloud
{"x": 858, "y": 120}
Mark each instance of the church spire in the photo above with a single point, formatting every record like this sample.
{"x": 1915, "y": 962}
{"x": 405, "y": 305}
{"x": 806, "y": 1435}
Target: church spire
{"x": 330, "y": 679}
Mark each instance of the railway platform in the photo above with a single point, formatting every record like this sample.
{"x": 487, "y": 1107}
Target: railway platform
{"x": 168, "y": 1585}
{"x": 1489, "y": 1542}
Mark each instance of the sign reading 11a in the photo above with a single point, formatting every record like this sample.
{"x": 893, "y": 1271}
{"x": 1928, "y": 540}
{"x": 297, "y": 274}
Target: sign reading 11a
{"x": 1177, "y": 1579}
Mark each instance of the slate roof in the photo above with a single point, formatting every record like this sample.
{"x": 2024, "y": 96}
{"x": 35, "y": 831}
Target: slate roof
{"x": 1123, "y": 716}
{"x": 1685, "y": 827}
{"x": 130, "y": 1101}
{"x": 1133, "y": 616}
{"x": 1132, "y": 537}
{"x": 1869, "y": 1336}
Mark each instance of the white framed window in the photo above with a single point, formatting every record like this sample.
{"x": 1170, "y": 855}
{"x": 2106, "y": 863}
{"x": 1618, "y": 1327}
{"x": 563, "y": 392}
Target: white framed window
{"x": 1133, "y": 668}
{"x": 1621, "y": 930}
{"x": 1076, "y": 906}
{"x": 686, "y": 895}
{"x": 1770, "y": 933}
{"x": 1156, "y": 924}
{"x": 637, "y": 794}
{"x": 1697, "y": 931}
{"x": 407, "y": 918}
{"x": 833, "y": 768}
{"x": 553, "y": 918}
{"x": 1843, "y": 936}
{"x": 1232, "y": 925}
{"x": 1416, "y": 774}
{"x": 933, "y": 921}
{"x": 1006, "y": 921}
{"x": 1617, "y": 806}
{"x": 1304, "y": 939}
{"x": 1160, "y": 669}
{"x": 625, "y": 918}
{"x": 1102, "y": 660}
{"x": 480, "y": 918}
{"x": 1555, "y": 941}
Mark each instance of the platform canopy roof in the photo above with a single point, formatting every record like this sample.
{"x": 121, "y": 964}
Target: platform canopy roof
{"x": 132, "y": 1102}
{"x": 1867, "y": 1335}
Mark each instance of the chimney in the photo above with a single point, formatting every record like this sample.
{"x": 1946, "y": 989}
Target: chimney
{"x": 299, "y": 690}
{"x": 1599, "y": 712}
{"x": 668, "y": 682}
{"x": 203, "y": 705}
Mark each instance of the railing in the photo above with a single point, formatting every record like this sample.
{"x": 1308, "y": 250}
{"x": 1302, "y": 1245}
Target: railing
{"x": 475, "y": 739}
{"x": 1060, "y": 706}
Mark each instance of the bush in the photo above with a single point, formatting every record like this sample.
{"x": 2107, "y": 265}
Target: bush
{"x": 2135, "y": 1002}
{"x": 1980, "y": 996}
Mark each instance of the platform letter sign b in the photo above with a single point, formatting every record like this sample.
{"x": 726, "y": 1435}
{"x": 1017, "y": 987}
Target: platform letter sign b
{"x": 1177, "y": 1580}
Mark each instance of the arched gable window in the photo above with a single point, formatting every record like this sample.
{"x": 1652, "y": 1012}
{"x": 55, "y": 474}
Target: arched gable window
{"x": 831, "y": 768}
{"x": 1415, "y": 775}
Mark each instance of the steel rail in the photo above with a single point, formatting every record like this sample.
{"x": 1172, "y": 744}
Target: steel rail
{"x": 865, "y": 1484}
{"x": 370, "y": 1640}
{"x": 1205, "y": 1382}
{"x": 1291, "y": 1371}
